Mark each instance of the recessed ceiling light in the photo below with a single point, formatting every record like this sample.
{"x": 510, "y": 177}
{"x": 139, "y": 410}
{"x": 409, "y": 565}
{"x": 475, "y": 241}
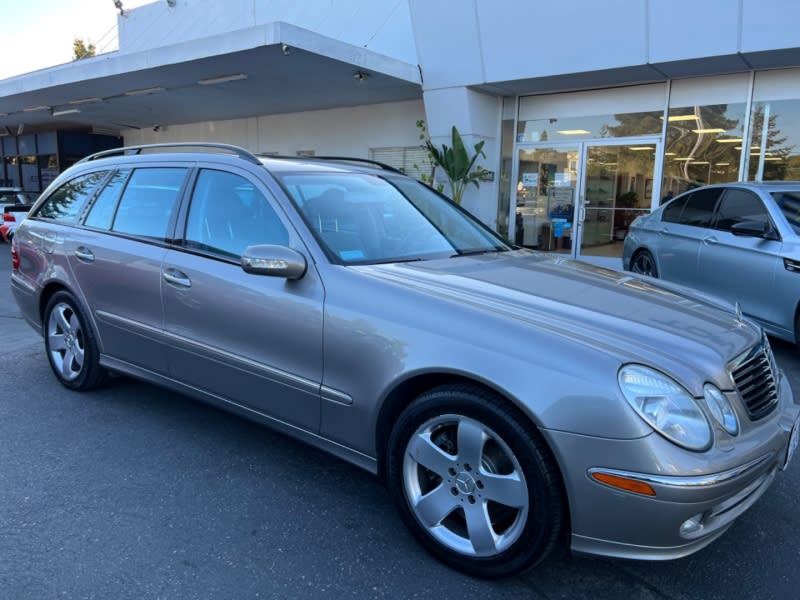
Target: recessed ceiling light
{"x": 222, "y": 79}
{"x": 85, "y": 100}
{"x": 142, "y": 92}
{"x": 35, "y": 108}
{"x": 729, "y": 141}
{"x": 65, "y": 111}
{"x": 640, "y": 148}
{"x": 573, "y": 132}
{"x": 709, "y": 130}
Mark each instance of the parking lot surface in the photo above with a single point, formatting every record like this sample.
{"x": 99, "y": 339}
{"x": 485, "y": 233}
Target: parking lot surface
{"x": 134, "y": 492}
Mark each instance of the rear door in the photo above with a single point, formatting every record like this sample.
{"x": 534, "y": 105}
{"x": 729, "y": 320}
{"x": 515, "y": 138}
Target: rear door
{"x": 253, "y": 340}
{"x": 116, "y": 259}
{"x": 681, "y": 236}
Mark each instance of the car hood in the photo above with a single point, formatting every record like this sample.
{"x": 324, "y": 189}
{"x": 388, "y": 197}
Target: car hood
{"x": 635, "y": 318}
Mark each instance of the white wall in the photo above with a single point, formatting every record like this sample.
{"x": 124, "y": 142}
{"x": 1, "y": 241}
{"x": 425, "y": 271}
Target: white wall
{"x": 468, "y": 42}
{"x": 341, "y": 132}
{"x": 382, "y": 26}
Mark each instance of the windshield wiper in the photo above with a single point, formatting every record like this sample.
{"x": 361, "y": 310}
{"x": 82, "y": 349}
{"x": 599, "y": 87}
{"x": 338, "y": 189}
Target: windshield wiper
{"x": 478, "y": 251}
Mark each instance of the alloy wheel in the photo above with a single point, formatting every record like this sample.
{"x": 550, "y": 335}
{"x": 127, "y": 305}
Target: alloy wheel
{"x": 65, "y": 341}
{"x": 465, "y": 486}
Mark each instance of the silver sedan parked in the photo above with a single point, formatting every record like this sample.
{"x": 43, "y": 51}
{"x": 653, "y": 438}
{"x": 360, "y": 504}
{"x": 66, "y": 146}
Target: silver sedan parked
{"x": 510, "y": 401}
{"x": 738, "y": 241}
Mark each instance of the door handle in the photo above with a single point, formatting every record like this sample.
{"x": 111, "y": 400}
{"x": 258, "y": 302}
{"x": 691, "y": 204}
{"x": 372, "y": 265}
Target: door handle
{"x": 175, "y": 277}
{"x": 84, "y": 254}
{"x": 710, "y": 240}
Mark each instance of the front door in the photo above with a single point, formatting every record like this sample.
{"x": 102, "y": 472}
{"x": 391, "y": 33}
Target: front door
{"x": 579, "y": 199}
{"x": 252, "y": 340}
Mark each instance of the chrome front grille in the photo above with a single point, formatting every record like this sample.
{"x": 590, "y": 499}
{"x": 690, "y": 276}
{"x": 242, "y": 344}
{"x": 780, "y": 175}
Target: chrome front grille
{"x": 755, "y": 375}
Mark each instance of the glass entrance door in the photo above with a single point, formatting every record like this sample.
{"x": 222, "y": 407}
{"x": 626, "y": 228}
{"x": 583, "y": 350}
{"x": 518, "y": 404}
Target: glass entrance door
{"x": 579, "y": 199}
{"x": 617, "y": 186}
{"x": 546, "y": 194}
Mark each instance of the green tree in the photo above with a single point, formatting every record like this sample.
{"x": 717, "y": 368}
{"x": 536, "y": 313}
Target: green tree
{"x": 81, "y": 50}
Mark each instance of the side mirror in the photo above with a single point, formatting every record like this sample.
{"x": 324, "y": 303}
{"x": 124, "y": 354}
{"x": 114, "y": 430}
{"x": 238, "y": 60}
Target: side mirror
{"x": 754, "y": 229}
{"x": 274, "y": 261}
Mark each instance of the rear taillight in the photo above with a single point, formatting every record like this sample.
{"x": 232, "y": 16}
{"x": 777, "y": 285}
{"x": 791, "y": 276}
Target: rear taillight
{"x": 14, "y": 256}
{"x": 7, "y": 217}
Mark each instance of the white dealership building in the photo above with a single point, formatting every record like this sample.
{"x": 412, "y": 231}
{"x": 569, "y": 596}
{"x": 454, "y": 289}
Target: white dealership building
{"x": 592, "y": 111}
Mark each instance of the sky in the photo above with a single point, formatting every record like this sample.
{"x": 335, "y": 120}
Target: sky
{"x": 39, "y": 33}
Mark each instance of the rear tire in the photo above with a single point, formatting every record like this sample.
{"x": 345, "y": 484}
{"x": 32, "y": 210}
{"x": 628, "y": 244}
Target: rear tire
{"x": 643, "y": 263}
{"x": 475, "y": 482}
{"x": 71, "y": 345}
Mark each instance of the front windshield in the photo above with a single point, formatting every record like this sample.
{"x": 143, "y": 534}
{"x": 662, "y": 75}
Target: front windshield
{"x": 789, "y": 203}
{"x": 363, "y": 219}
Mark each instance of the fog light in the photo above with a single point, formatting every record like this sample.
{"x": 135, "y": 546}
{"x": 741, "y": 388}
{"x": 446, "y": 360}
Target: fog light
{"x": 692, "y": 526}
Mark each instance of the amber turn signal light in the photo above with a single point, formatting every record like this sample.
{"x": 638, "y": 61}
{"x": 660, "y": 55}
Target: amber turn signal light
{"x": 623, "y": 483}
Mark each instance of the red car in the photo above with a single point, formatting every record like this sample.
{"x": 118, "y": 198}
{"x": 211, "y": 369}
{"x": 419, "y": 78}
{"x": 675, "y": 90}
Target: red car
{"x": 11, "y": 218}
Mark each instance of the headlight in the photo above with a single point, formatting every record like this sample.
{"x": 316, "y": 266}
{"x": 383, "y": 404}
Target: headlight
{"x": 666, "y": 406}
{"x": 720, "y": 408}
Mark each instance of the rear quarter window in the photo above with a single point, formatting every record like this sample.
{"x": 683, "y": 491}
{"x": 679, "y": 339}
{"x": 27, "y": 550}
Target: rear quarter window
{"x": 699, "y": 208}
{"x": 672, "y": 212}
{"x": 67, "y": 202}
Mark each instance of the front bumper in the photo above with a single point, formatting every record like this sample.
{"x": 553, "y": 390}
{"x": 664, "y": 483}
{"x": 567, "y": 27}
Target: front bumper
{"x": 697, "y": 495}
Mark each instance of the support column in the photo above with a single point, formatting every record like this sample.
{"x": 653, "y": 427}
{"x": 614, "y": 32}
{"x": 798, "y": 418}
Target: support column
{"x": 477, "y": 116}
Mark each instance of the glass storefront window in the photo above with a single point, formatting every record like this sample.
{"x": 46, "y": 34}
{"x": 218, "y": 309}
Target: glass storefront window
{"x": 775, "y": 149}
{"x": 705, "y": 132}
{"x": 594, "y": 127}
{"x": 12, "y": 172}
{"x": 704, "y": 145}
{"x": 504, "y": 189}
{"x": 615, "y": 112}
{"x": 48, "y": 169}
{"x": 30, "y": 173}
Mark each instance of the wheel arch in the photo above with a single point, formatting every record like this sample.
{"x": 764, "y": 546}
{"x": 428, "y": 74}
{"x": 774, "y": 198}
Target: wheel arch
{"x": 645, "y": 248}
{"x": 50, "y": 289}
{"x": 407, "y": 390}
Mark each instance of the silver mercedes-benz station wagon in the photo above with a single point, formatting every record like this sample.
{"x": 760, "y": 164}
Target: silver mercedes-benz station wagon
{"x": 510, "y": 401}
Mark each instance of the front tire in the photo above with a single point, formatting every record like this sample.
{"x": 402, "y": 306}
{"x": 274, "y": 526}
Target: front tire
{"x": 475, "y": 482}
{"x": 71, "y": 345}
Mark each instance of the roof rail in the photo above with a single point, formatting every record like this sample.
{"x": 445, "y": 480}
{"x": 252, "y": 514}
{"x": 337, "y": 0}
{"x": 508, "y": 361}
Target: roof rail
{"x": 126, "y": 150}
{"x": 345, "y": 159}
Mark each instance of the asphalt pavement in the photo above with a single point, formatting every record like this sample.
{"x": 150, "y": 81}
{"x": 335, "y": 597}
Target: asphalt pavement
{"x": 135, "y": 492}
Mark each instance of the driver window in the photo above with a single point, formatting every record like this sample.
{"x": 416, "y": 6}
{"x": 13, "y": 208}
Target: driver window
{"x": 227, "y": 214}
{"x": 738, "y": 206}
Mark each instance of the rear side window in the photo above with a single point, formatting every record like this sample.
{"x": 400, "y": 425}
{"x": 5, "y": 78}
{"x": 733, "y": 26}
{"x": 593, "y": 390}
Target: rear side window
{"x": 148, "y": 201}
{"x": 673, "y": 211}
{"x": 738, "y": 206}
{"x": 67, "y": 202}
{"x": 699, "y": 208}
{"x": 102, "y": 212}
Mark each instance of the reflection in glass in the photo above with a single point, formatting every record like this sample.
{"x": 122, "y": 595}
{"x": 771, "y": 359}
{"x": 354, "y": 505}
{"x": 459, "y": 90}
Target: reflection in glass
{"x": 66, "y": 203}
{"x": 704, "y": 145}
{"x": 600, "y": 126}
{"x": 774, "y": 154}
